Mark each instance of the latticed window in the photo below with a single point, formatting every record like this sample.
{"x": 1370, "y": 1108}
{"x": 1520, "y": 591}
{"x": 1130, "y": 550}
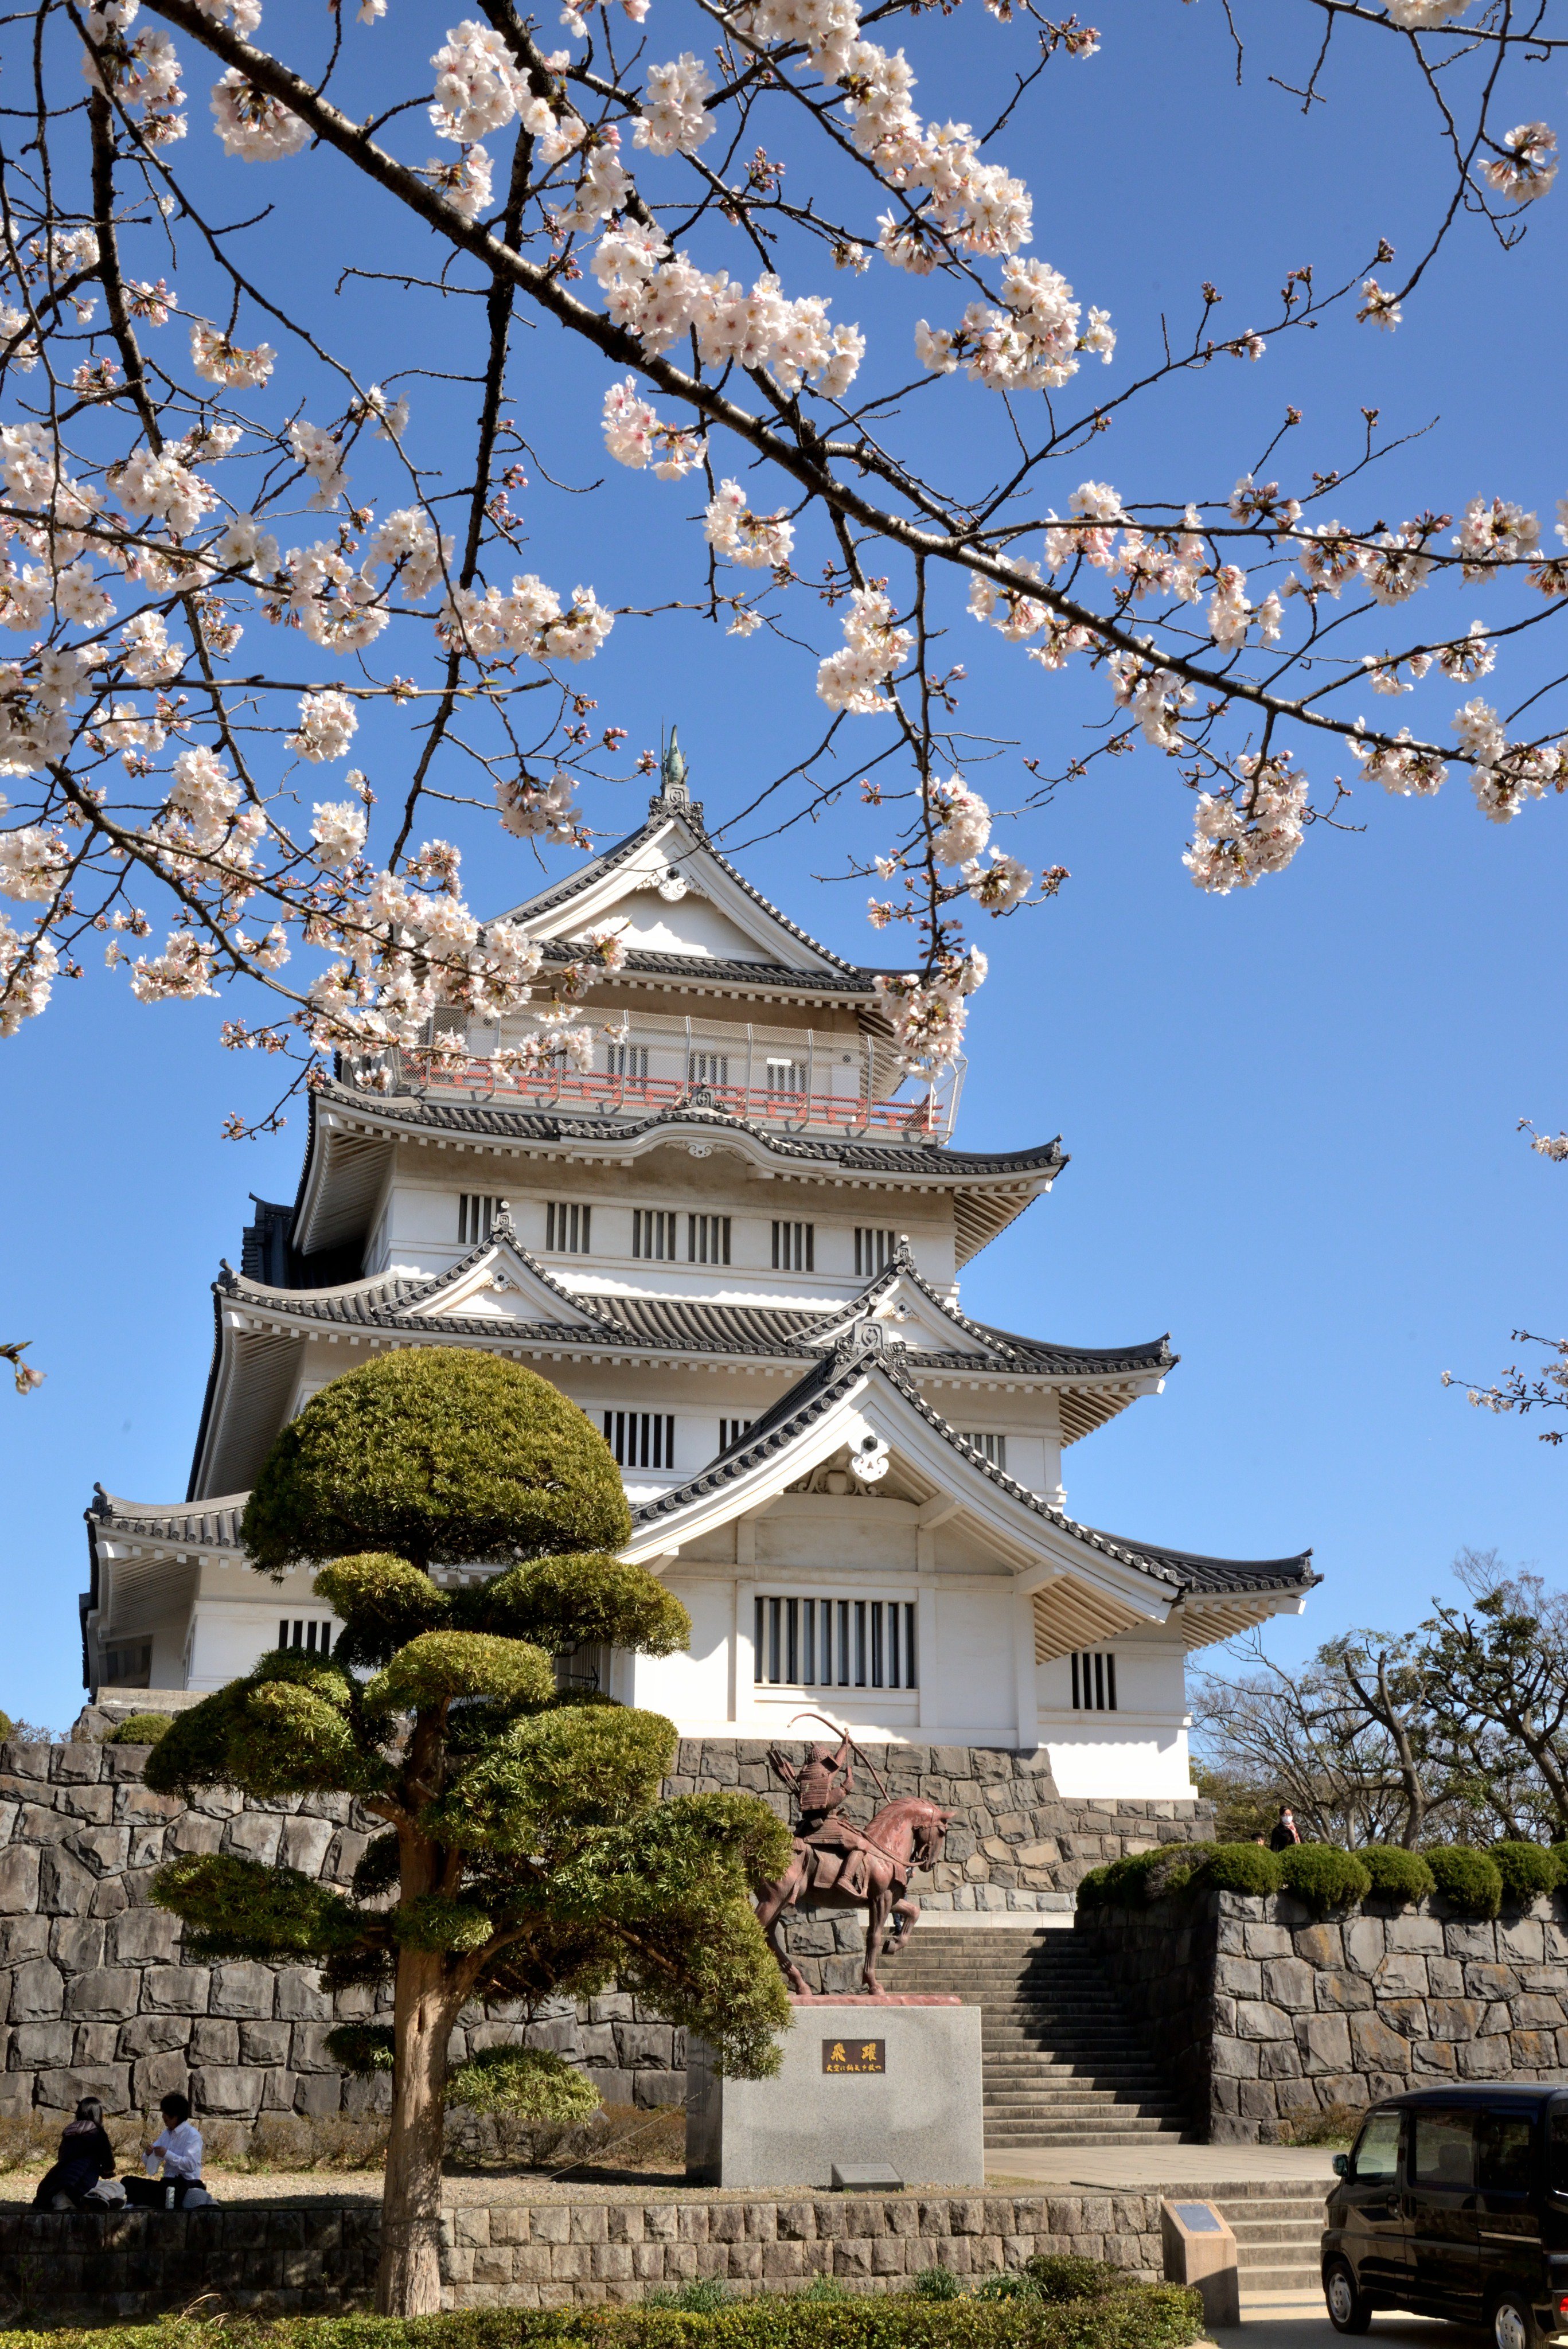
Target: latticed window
{"x": 707, "y": 1068}
{"x": 794, "y": 1247}
{"x": 708, "y": 1239}
{"x": 653, "y": 1231}
{"x": 1093, "y": 1680}
{"x": 874, "y": 1250}
{"x": 129, "y": 1663}
{"x": 994, "y": 1447}
{"x": 566, "y": 1227}
{"x": 642, "y": 1439}
{"x": 835, "y": 1643}
{"x": 786, "y": 1076}
{"x": 314, "y": 1636}
{"x": 731, "y": 1432}
{"x": 476, "y": 1212}
{"x": 627, "y": 1060}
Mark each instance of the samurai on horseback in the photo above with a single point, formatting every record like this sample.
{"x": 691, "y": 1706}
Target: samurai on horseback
{"x": 841, "y": 1864}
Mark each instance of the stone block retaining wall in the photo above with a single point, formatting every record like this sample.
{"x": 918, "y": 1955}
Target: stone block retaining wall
{"x": 95, "y": 2000}
{"x": 1263, "y": 2013}
{"x": 322, "y": 2256}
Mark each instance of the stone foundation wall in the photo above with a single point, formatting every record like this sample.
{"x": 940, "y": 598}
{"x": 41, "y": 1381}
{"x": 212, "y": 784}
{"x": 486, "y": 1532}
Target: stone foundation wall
{"x": 1264, "y": 2014}
{"x": 1015, "y": 1844}
{"x": 73, "y": 2269}
{"x": 95, "y": 2000}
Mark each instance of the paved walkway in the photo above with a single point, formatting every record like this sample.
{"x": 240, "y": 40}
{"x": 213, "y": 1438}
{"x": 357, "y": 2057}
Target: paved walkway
{"x": 1276, "y": 2322}
{"x": 1159, "y": 2162}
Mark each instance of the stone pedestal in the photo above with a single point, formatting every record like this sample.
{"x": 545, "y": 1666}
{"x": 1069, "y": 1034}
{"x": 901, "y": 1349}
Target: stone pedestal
{"x": 1200, "y": 2250}
{"x": 891, "y": 2080}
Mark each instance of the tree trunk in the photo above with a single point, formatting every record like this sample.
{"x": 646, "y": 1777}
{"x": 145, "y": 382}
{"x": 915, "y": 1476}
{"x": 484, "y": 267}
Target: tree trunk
{"x": 409, "y": 2280}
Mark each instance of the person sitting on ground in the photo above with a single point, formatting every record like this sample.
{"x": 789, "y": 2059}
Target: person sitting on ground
{"x": 86, "y": 2155}
{"x": 1287, "y": 1833}
{"x": 178, "y": 2147}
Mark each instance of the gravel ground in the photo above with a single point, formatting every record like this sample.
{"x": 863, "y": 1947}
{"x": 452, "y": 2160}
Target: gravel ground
{"x": 498, "y": 2189}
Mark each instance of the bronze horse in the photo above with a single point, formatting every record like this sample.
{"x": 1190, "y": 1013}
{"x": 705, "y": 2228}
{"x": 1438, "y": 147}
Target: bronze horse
{"x": 902, "y": 1837}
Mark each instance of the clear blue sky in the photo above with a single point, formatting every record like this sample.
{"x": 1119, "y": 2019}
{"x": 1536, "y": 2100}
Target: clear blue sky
{"x": 1291, "y": 1112}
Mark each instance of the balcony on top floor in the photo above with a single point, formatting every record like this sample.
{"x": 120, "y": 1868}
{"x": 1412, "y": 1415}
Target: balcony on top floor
{"x": 800, "y": 1081}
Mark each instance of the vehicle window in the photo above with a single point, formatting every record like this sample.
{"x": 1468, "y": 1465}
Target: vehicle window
{"x": 1377, "y": 2155}
{"x": 1559, "y": 2142}
{"x": 1507, "y": 2153}
{"x": 1445, "y": 2150}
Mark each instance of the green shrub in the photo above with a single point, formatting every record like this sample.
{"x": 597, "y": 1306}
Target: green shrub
{"x": 1470, "y": 1881}
{"x": 1142, "y": 2316}
{"x": 935, "y": 2283}
{"x": 1067, "y": 2275}
{"x": 1397, "y": 1874}
{"x": 435, "y": 1453}
{"x": 701, "y": 2296}
{"x": 1008, "y": 2284}
{"x": 531, "y": 2083}
{"x": 1526, "y": 1869}
{"x": 1324, "y": 1878}
{"x": 139, "y": 1729}
{"x": 1140, "y": 1876}
{"x": 1246, "y": 1868}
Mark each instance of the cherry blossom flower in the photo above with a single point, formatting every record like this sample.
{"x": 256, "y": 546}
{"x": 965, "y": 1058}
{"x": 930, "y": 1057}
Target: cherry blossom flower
{"x": 853, "y": 679}
{"x": 635, "y": 436}
{"x": 1380, "y": 306}
{"x": 674, "y": 118}
{"x": 961, "y": 819}
{"x": 253, "y": 126}
{"x": 219, "y": 360}
{"x": 478, "y": 88}
{"x": 1492, "y": 533}
{"x": 328, "y": 724}
{"x": 998, "y": 886}
{"x": 532, "y": 810}
{"x": 1529, "y": 165}
{"x": 34, "y": 863}
{"x": 756, "y": 541}
{"x": 1401, "y": 769}
{"x": 339, "y": 831}
{"x": 28, "y": 967}
{"x": 529, "y": 620}
{"x": 1253, "y": 828}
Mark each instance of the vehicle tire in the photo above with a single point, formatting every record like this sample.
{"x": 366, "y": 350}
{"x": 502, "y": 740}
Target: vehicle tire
{"x": 1349, "y": 2310}
{"x": 1514, "y": 2322}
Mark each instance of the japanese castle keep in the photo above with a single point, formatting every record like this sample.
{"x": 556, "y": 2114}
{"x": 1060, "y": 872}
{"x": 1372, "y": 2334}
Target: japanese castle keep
{"x": 737, "y": 1245}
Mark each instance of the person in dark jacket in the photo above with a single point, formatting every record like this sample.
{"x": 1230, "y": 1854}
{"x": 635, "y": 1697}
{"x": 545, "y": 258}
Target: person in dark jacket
{"x": 1286, "y": 1831}
{"x": 86, "y": 2155}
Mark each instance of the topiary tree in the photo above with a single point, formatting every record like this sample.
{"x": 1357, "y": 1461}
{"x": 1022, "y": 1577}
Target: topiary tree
{"x": 526, "y": 1851}
{"x": 1397, "y": 1874}
{"x": 1324, "y": 1876}
{"x": 1527, "y": 1870}
{"x": 138, "y": 1729}
{"x": 1470, "y": 1881}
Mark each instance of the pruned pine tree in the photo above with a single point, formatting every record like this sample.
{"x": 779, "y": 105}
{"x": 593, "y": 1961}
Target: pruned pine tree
{"x": 527, "y": 1852}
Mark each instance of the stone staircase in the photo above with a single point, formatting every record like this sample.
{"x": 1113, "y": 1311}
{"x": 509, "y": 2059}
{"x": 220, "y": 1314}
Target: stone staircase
{"x": 1063, "y": 2063}
{"x": 1278, "y": 2225}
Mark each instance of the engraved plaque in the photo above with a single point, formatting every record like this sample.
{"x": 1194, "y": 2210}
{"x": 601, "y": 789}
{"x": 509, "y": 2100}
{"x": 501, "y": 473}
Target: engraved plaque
{"x": 847, "y": 2056}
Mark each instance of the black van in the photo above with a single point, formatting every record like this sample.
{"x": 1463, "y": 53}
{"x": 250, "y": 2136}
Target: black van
{"x": 1454, "y": 2203}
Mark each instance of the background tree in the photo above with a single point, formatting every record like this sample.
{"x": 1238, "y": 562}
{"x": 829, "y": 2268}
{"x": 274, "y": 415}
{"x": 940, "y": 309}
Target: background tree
{"x": 1497, "y": 1673}
{"x": 526, "y": 1852}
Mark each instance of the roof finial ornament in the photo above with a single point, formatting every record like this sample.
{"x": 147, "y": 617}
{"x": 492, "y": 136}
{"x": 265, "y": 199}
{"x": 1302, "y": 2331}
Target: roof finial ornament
{"x": 672, "y": 772}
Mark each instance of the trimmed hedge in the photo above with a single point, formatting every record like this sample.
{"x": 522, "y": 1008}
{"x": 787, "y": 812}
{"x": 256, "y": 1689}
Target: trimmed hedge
{"x": 1470, "y": 1881}
{"x": 1526, "y": 1869}
{"x": 1322, "y": 1876}
{"x": 1246, "y": 1868}
{"x": 1397, "y": 1874}
{"x": 1140, "y": 1876}
{"x": 1140, "y": 2316}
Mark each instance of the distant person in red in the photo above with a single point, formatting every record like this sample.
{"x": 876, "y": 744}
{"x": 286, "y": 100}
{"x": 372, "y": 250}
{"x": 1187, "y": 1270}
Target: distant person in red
{"x": 1286, "y": 1832}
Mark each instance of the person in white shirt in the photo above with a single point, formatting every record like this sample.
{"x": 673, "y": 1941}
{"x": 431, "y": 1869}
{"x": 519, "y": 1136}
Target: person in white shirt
{"x": 177, "y": 2149}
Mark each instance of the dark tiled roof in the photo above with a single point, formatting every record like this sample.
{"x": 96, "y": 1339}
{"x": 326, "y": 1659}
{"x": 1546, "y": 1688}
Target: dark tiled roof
{"x": 777, "y": 977}
{"x": 1208, "y": 1577}
{"x": 204, "y": 1524}
{"x": 933, "y": 1161}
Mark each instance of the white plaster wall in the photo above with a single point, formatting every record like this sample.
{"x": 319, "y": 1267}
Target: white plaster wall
{"x": 229, "y": 1636}
{"x": 693, "y": 1687}
{"x": 969, "y": 1677}
{"x": 1129, "y": 1764}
